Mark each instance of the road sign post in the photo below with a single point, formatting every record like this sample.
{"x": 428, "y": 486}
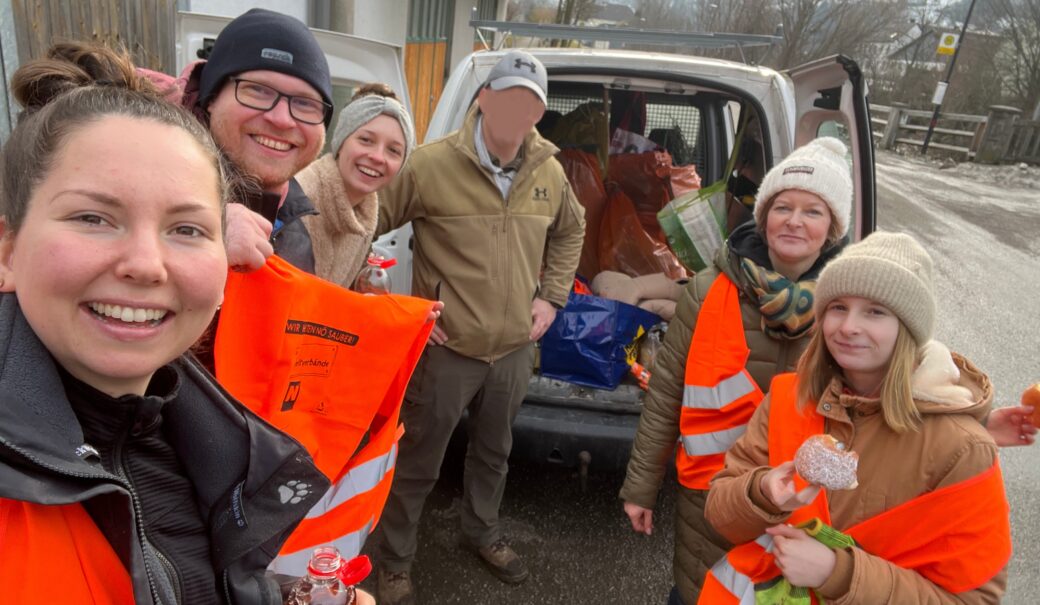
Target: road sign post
{"x": 940, "y": 90}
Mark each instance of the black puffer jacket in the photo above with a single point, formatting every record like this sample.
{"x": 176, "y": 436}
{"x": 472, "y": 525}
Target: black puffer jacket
{"x": 235, "y": 461}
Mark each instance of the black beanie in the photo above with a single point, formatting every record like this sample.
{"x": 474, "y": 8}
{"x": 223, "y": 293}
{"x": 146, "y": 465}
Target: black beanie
{"x": 263, "y": 39}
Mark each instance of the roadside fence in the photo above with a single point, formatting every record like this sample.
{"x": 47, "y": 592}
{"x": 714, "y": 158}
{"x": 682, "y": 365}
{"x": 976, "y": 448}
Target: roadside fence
{"x": 1000, "y": 136}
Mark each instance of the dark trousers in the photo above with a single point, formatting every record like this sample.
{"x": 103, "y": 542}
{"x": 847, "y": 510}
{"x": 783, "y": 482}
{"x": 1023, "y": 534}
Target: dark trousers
{"x": 443, "y": 386}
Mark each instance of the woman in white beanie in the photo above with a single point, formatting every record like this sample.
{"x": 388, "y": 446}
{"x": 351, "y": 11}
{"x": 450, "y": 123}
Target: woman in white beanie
{"x": 756, "y": 307}
{"x": 929, "y": 515}
{"x": 373, "y": 137}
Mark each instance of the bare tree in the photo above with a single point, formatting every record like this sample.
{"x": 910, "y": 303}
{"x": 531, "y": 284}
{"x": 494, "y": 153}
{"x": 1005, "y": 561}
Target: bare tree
{"x": 817, "y": 28}
{"x": 1020, "y": 58}
{"x": 707, "y": 16}
{"x": 572, "y": 12}
{"x": 531, "y": 11}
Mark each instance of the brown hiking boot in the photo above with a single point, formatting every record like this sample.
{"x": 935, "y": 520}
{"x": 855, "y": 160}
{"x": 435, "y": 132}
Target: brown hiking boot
{"x": 503, "y": 562}
{"x": 394, "y": 588}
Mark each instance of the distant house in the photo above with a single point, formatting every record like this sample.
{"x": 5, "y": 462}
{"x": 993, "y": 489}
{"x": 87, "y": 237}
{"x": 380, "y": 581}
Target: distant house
{"x": 609, "y": 15}
{"x": 906, "y": 66}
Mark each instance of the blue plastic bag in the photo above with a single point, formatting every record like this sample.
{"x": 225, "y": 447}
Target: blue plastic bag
{"x": 586, "y": 344}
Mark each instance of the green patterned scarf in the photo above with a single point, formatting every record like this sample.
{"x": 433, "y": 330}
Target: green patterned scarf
{"x": 786, "y": 305}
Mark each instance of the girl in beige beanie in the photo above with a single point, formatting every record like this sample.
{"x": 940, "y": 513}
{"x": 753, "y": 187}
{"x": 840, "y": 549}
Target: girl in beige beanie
{"x": 873, "y": 380}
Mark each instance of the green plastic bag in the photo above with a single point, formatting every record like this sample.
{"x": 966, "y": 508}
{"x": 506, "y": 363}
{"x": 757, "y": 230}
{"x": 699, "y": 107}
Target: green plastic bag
{"x": 695, "y": 223}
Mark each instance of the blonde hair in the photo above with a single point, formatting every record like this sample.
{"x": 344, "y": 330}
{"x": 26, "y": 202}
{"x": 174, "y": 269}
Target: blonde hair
{"x": 817, "y": 368}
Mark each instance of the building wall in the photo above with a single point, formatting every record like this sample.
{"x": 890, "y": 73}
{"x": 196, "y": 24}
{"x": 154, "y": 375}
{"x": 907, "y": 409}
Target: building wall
{"x": 234, "y": 8}
{"x": 384, "y": 20}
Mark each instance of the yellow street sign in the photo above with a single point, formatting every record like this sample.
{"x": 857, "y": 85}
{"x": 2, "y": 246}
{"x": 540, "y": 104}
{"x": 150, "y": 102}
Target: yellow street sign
{"x": 947, "y": 44}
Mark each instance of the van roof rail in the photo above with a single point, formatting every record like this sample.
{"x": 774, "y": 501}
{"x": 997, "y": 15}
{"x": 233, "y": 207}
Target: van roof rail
{"x": 656, "y": 37}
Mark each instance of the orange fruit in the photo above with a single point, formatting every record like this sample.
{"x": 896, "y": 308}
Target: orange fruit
{"x": 1031, "y": 396}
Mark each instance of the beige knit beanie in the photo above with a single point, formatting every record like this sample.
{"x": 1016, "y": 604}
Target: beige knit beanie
{"x": 818, "y": 167}
{"x": 890, "y": 268}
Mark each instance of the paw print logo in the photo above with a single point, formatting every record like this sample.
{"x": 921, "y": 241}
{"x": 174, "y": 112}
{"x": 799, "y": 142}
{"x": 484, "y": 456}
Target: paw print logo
{"x": 293, "y": 491}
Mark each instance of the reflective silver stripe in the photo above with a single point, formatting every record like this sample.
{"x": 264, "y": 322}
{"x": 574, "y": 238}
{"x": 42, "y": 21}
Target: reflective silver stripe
{"x": 719, "y": 396}
{"x": 358, "y": 480}
{"x": 765, "y": 541}
{"x": 295, "y": 564}
{"x": 737, "y": 583}
{"x": 706, "y": 444}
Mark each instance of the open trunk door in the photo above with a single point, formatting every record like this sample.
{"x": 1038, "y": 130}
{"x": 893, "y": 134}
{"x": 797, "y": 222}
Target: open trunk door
{"x": 352, "y": 61}
{"x": 831, "y": 100}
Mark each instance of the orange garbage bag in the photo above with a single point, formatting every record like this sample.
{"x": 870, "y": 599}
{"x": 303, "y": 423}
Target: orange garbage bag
{"x": 626, "y": 247}
{"x": 684, "y": 180}
{"x": 583, "y": 172}
{"x": 646, "y": 178}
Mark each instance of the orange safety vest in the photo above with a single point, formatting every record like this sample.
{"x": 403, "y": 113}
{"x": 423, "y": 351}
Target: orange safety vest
{"x": 957, "y": 537}
{"x": 329, "y": 367}
{"x": 719, "y": 395}
{"x": 45, "y": 548}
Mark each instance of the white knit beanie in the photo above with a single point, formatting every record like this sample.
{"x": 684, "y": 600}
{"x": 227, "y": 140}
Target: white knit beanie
{"x": 363, "y": 110}
{"x": 889, "y": 268}
{"x": 818, "y": 167}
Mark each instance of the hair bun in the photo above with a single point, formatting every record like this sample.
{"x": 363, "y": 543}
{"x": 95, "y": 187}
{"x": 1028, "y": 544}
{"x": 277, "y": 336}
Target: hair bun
{"x": 374, "y": 88}
{"x": 72, "y": 65}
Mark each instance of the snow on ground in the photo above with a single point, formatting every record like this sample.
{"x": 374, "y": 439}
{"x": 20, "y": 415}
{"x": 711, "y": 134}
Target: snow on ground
{"x": 982, "y": 227}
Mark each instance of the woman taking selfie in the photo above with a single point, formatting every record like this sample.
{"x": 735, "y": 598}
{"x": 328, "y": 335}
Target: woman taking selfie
{"x": 126, "y": 473}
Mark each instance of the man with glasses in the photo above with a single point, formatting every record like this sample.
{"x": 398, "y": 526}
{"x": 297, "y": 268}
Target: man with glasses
{"x": 266, "y": 94}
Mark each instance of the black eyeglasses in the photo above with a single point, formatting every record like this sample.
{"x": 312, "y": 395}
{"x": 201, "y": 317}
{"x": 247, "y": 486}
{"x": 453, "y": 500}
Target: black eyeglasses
{"x": 255, "y": 95}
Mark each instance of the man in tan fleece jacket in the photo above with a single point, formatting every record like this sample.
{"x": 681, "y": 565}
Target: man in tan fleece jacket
{"x": 498, "y": 233}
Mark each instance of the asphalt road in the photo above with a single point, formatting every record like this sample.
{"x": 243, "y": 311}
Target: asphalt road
{"x": 984, "y": 235}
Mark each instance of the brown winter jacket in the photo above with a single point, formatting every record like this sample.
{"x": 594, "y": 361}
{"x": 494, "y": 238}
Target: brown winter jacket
{"x": 480, "y": 254}
{"x": 950, "y": 446}
{"x": 341, "y": 234}
{"x": 697, "y": 546}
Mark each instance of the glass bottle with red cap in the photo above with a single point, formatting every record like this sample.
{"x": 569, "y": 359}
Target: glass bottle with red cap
{"x": 374, "y": 277}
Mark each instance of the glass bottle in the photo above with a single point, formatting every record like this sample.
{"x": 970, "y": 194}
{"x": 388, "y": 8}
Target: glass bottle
{"x": 374, "y": 277}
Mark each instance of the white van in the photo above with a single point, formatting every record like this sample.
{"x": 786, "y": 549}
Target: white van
{"x": 692, "y": 109}
{"x": 696, "y": 101}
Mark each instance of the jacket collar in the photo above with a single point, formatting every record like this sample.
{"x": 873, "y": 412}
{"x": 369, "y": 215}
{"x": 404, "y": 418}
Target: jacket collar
{"x": 333, "y": 203}
{"x": 536, "y": 149}
{"x": 296, "y": 204}
{"x": 747, "y": 242}
{"x": 942, "y": 383}
{"x": 36, "y": 418}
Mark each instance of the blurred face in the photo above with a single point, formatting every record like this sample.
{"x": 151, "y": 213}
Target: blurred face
{"x": 119, "y": 264}
{"x": 797, "y": 224}
{"x": 371, "y": 156}
{"x": 861, "y": 335}
{"x": 509, "y": 114}
{"x": 270, "y": 145}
